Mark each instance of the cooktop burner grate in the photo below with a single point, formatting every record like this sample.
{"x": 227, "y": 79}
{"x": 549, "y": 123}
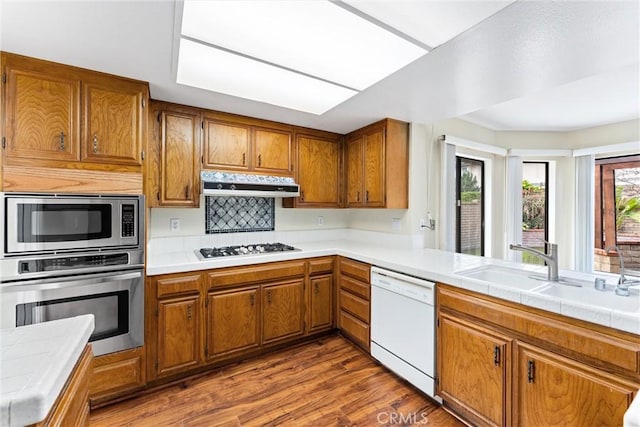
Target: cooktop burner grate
{"x": 254, "y": 249}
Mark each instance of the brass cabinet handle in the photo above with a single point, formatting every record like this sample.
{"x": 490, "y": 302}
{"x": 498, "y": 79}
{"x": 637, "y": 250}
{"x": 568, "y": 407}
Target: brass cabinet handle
{"x": 189, "y": 312}
{"x": 95, "y": 143}
{"x": 252, "y": 298}
{"x": 302, "y": 196}
{"x": 61, "y": 141}
{"x": 531, "y": 371}
{"x": 269, "y": 297}
{"x": 496, "y": 355}
{"x": 366, "y": 196}
{"x": 186, "y": 192}
{"x": 244, "y": 159}
{"x": 259, "y": 159}
{"x": 316, "y": 290}
{"x": 358, "y": 197}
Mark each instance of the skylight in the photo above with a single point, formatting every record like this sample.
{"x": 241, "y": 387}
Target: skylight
{"x": 304, "y": 55}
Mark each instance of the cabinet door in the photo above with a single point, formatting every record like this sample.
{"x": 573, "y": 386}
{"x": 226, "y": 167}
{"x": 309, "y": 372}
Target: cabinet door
{"x": 553, "y": 390}
{"x": 178, "y": 334}
{"x": 374, "y": 169}
{"x": 232, "y": 321}
{"x": 318, "y": 171}
{"x": 355, "y": 171}
{"x": 282, "y": 310}
{"x": 180, "y": 156}
{"x": 226, "y": 145}
{"x": 473, "y": 369}
{"x": 43, "y": 115}
{"x": 272, "y": 151}
{"x": 113, "y": 121}
{"x": 321, "y": 303}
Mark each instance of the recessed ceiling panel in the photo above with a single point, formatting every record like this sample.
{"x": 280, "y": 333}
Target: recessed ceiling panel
{"x": 316, "y": 38}
{"x": 216, "y": 70}
{"x": 431, "y": 22}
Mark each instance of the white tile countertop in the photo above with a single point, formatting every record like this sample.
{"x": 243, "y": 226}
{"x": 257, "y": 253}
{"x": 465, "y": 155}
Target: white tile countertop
{"x": 35, "y": 363}
{"x": 430, "y": 264}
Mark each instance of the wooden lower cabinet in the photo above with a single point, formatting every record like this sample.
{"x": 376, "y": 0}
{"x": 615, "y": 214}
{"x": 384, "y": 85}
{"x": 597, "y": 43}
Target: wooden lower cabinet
{"x": 282, "y": 310}
{"x": 354, "y": 307}
{"x": 320, "y": 303}
{"x": 239, "y": 308}
{"x": 501, "y": 363}
{"x": 71, "y": 408}
{"x": 554, "y": 390}
{"x": 474, "y": 377}
{"x": 116, "y": 374}
{"x": 178, "y": 334}
{"x": 200, "y": 319}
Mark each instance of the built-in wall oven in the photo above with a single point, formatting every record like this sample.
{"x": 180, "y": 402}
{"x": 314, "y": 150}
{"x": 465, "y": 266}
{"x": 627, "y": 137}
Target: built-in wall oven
{"x": 68, "y": 255}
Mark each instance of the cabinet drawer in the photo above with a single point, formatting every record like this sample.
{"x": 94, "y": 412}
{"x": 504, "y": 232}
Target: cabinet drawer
{"x": 354, "y": 305}
{"x": 178, "y": 284}
{"x": 355, "y": 287}
{"x": 255, "y": 273}
{"x": 116, "y": 373}
{"x": 358, "y": 270}
{"x": 354, "y": 329}
{"x": 320, "y": 265}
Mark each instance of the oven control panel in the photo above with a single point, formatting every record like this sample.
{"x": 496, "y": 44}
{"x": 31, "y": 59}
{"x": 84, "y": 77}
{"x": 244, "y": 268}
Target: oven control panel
{"x": 72, "y": 262}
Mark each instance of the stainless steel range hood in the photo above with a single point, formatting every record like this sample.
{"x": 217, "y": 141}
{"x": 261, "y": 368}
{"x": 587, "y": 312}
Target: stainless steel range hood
{"x": 215, "y": 183}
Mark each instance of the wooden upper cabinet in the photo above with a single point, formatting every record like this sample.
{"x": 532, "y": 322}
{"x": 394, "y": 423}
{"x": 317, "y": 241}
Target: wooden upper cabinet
{"x": 58, "y": 114}
{"x": 553, "y": 390}
{"x": 355, "y": 168}
{"x": 243, "y": 144}
{"x": 272, "y": 151}
{"x": 317, "y": 170}
{"x": 226, "y": 145}
{"x": 113, "y": 121}
{"x": 42, "y": 108}
{"x": 377, "y": 166}
{"x": 173, "y": 167}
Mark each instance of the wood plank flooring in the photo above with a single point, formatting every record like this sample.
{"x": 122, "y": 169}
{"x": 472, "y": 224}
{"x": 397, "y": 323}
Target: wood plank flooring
{"x": 328, "y": 382}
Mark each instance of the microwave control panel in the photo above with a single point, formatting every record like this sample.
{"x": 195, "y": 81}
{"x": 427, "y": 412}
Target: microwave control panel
{"x": 128, "y": 220}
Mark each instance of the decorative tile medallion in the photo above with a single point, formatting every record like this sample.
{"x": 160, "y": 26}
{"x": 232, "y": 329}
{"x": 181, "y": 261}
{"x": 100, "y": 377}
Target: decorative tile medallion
{"x": 238, "y": 214}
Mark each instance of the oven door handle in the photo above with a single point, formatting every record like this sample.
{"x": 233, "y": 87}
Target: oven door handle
{"x": 57, "y": 283}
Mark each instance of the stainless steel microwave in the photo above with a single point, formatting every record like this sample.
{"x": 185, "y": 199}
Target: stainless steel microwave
{"x": 53, "y": 223}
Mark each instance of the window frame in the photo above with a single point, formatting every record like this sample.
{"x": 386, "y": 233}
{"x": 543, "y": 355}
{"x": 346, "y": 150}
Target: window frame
{"x": 458, "y": 189}
{"x": 546, "y": 193}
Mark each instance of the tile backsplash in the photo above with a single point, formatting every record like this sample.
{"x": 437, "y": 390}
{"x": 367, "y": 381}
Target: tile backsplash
{"x": 239, "y": 214}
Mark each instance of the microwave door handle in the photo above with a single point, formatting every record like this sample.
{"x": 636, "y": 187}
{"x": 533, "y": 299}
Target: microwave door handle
{"x": 40, "y": 284}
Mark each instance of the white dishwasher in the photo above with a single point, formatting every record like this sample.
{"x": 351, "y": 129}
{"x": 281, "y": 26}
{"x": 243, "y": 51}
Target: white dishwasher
{"x": 403, "y": 326}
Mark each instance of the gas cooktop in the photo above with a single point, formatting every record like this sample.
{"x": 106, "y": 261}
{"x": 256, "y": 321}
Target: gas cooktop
{"x": 255, "y": 249}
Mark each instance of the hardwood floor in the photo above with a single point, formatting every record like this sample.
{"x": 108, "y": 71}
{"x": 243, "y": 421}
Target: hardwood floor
{"x": 328, "y": 382}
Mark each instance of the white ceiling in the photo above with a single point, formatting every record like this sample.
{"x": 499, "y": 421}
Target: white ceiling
{"x": 530, "y": 66}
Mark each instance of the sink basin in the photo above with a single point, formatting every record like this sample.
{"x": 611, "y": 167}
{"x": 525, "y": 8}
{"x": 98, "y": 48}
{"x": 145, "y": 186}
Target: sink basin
{"x": 588, "y": 295}
{"x": 500, "y": 275}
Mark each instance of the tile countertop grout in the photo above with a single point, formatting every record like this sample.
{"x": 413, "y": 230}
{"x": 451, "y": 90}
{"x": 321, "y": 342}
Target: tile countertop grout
{"x": 430, "y": 264}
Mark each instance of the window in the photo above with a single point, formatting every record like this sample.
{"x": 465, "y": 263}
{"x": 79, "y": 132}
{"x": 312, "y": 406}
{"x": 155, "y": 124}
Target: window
{"x": 535, "y": 211}
{"x": 617, "y": 213}
{"x": 469, "y": 206}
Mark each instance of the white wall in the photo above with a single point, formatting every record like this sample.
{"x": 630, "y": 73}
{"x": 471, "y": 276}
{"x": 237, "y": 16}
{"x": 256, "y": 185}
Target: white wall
{"x": 425, "y": 186}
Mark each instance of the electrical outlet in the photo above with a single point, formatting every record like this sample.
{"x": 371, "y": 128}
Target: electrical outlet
{"x": 174, "y": 224}
{"x": 320, "y": 220}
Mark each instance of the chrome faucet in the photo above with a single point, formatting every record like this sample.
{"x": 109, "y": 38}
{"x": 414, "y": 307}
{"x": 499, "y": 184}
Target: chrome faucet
{"x": 550, "y": 256}
{"x": 624, "y": 284}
